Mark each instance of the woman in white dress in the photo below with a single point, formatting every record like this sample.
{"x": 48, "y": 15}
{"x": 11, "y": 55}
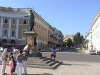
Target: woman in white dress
{"x": 4, "y": 57}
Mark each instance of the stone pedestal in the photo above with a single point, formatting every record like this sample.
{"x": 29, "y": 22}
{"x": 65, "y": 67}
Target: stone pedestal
{"x": 31, "y": 39}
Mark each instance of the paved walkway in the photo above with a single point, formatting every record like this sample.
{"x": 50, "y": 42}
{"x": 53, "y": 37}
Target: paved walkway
{"x": 67, "y": 68}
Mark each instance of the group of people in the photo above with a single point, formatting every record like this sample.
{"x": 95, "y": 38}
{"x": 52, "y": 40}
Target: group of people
{"x": 17, "y": 60}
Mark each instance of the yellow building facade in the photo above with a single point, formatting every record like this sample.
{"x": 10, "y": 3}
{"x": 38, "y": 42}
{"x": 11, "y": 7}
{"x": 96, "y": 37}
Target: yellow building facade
{"x": 13, "y": 24}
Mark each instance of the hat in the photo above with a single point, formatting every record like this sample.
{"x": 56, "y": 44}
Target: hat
{"x": 14, "y": 50}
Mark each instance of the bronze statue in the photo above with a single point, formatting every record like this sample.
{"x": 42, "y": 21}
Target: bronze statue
{"x": 31, "y": 20}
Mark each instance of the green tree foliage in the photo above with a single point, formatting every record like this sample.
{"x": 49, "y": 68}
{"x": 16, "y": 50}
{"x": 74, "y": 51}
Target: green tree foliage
{"x": 69, "y": 42}
{"x": 64, "y": 44}
{"x": 78, "y": 39}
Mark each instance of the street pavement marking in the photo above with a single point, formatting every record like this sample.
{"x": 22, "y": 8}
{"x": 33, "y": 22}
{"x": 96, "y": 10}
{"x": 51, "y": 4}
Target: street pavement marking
{"x": 67, "y": 52}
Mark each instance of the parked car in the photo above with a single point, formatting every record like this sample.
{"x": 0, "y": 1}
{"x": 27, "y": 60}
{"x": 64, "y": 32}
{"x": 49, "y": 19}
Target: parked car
{"x": 46, "y": 50}
{"x": 93, "y": 52}
{"x": 98, "y": 53}
{"x": 1, "y": 49}
{"x": 43, "y": 50}
{"x": 57, "y": 48}
{"x": 11, "y": 49}
{"x": 78, "y": 48}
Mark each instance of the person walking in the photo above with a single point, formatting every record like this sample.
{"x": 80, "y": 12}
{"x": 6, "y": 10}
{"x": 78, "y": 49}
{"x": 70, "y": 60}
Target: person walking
{"x": 4, "y": 57}
{"x": 19, "y": 59}
{"x": 25, "y": 57}
{"x": 53, "y": 54}
{"x": 11, "y": 65}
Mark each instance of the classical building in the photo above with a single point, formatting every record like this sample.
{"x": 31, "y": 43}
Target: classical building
{"x": 13, "y": 24}
{"x": 93, "y": 35}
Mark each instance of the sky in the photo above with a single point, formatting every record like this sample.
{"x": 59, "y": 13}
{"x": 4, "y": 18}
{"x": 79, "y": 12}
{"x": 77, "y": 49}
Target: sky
{"x": 68, "y": 16}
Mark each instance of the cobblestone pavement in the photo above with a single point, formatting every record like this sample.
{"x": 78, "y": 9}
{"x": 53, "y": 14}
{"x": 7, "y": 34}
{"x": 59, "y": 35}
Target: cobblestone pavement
{"x": 67, "y": 68}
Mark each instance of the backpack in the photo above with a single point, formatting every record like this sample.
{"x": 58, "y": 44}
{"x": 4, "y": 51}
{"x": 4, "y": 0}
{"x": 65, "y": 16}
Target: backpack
{"x": 25, "y": 57}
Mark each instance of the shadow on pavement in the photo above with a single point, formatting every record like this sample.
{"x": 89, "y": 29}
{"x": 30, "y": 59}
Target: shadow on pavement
{"x": 76, "y": 64}
{"x": 40, "y": 67}
{"x": 66, "y": 64}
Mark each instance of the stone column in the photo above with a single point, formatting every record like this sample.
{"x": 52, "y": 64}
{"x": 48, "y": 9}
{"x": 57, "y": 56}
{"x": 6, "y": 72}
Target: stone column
{"x": 17, "y": 27}
{"x": 9, "y": 28}
{"x": 1, "y": 27}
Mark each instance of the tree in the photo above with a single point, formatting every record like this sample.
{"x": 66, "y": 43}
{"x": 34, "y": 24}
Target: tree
{"x": 69, "y": 42}
{"x": 78, "y": 39}
{"x": 64, "y": 44}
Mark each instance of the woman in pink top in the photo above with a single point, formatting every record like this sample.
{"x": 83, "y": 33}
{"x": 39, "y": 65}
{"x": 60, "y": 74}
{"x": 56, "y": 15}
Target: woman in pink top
{"x": 11, "y": 65}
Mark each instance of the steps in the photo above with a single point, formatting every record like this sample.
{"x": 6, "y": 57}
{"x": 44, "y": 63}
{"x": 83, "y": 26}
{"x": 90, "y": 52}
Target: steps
{"x": 43, "y": 62}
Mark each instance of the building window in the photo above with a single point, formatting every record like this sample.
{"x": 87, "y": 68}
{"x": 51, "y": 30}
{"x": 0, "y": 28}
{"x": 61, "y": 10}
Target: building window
{"x": 13, "y": 33}
{"x": 23, "y": 35}
{"x": 6, "y": 20}
{"x": 5, "y": 32}
{"x": 13, "y": 21}
{"x": 24, "y": 21}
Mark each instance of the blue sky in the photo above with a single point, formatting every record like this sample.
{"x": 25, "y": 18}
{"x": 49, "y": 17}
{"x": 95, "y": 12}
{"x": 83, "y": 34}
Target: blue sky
{"x": 68, "y": 16}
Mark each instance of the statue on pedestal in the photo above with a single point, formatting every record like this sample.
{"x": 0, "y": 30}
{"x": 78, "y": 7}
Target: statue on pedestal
{"x": 32, "y": 34}
{"x": 31, "y": 20}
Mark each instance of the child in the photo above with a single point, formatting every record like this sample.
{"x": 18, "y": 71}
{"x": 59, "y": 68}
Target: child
{"x": 11, "y": 65}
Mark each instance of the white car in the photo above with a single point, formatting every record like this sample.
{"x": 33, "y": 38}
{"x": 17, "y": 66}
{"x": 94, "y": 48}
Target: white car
{"x": 1, "y": 49}
{"x": 92, "y": 52}
{"x": 78, "y": 48}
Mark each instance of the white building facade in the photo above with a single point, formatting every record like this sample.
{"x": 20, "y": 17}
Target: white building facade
{"x": 96, "y": 33}
{"x": 89, "y": 40}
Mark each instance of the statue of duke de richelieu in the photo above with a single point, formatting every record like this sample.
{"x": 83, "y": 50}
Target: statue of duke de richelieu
{"x": 31, "y": 20}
